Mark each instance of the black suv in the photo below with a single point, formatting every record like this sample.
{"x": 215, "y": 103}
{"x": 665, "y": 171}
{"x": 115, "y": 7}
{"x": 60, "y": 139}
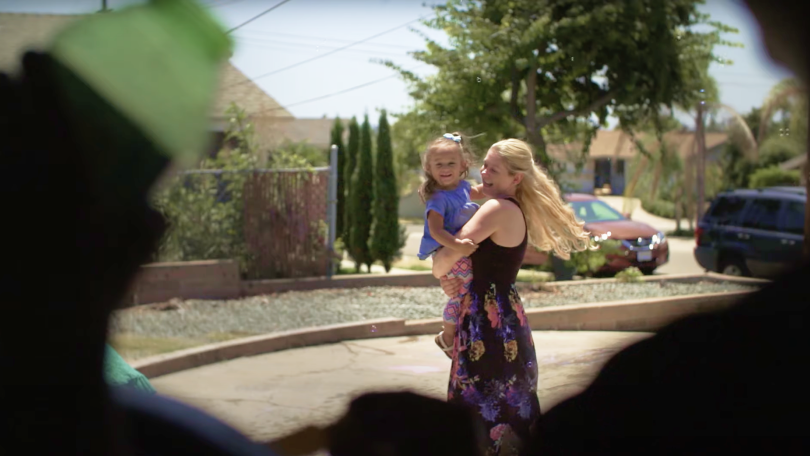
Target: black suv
{"x": 755, "y": 233}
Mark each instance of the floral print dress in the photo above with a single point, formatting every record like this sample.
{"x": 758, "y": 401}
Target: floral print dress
{"x": 494, "y": 368}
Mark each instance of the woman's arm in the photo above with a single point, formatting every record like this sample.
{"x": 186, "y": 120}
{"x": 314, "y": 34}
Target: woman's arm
{"x": 481, "y": 226}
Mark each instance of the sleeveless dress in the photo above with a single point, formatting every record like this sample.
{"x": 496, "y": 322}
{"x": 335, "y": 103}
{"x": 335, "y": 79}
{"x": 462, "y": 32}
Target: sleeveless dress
{"x": 494, "y": 367}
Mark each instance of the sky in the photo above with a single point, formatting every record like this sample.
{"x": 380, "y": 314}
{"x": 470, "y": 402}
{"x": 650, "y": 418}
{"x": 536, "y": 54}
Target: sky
{"x": 300, "y": 30}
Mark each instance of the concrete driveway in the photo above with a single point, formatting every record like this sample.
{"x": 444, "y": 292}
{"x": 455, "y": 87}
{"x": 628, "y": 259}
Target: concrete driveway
{"x": 272, "y": 395}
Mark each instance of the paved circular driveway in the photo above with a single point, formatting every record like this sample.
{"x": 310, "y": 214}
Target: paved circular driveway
{"x": 270, "y": 395}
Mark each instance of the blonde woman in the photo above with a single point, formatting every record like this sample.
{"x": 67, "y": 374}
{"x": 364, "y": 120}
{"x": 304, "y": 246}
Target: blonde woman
{"x": 494, "y": 366}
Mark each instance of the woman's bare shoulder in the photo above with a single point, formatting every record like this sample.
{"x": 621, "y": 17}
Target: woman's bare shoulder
{"x": 501, "y": 208}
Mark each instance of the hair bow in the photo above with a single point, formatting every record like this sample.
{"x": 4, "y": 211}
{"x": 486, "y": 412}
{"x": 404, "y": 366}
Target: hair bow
{"x": 455, "y": 138}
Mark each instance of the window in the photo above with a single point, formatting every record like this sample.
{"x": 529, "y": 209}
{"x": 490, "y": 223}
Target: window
{"x": 595, "y": 211}
{"x": 794, "y": 218}
{"x": 762, "y": 214}
{"x": 727, "y": 210}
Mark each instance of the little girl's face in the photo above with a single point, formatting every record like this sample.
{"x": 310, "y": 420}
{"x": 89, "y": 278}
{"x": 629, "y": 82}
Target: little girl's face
{"x": 446, "y": 165}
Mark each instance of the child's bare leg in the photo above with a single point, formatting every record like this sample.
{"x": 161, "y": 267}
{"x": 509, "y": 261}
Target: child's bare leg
{"x": 448, "y": 333}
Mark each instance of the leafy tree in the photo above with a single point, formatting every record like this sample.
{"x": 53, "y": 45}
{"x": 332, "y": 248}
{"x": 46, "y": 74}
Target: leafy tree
{"x": 387, "y": 238}
{"x": 774, "y": 177}
{"x": 362, "y": 194}
{"x": 292, "y": 155}
{"x": 524, "y": 66}
{"x": 351, "y": 164}
{"x": 337, "y": 140}
{"x": 205, "y": 212}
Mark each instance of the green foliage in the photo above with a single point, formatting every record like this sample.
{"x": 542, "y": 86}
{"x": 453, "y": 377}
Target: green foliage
{"x": 588, "y": 262}
{"x": 738, "y": 168}
{"x": 337, "y": 140}
{"x": 352, "y": 152}
{"x": 205, "y": 212}
{"x": 361, "y": 196}
{"x": 774, "y": 177}
{"x": 385, "y": 243}
{"x": 778, "y": 149}
{"x": 629, "y": 275}
{"x": 293, "y": 155}
{"x": 573, "y": 59}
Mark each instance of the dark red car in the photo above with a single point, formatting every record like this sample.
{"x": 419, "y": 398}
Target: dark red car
{"x": 641, "y": 246}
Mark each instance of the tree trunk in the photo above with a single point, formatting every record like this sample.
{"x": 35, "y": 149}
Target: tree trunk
{"x": 678, "y": 201}
{"x": 701, "y": 163}
{"x": 533, "y": 133}
{"x": 656, "y": 178}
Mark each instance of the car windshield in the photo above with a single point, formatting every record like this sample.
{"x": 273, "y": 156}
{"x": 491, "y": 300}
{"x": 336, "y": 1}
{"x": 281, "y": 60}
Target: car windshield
{"x": 595, "y": 211}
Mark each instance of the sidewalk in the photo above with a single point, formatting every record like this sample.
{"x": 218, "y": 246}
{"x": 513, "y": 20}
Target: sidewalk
{"x": 269, "y": 396}
{"x": 640, "y": 215}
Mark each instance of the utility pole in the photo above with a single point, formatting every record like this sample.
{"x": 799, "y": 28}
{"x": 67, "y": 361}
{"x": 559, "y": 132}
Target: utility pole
{"x": 701, "y": 161}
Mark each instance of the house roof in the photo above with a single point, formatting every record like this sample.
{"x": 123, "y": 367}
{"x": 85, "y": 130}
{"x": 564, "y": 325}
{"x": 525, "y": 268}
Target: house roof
{"x": 317, "y": 132}
{"x": 618, "y": 144}
{"x": 20, "y": 32}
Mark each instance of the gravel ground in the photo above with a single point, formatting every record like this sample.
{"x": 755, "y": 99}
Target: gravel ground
{"x": 293, "y": 310}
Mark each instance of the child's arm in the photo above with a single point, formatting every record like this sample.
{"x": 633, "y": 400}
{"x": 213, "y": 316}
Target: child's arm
{"x": 477, "y": 192}
{"x": 443, "y": 237}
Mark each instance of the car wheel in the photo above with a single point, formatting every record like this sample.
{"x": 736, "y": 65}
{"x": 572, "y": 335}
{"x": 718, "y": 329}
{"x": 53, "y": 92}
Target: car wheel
{"x": 733, "y": 266}
{"x": 647, "y": 271}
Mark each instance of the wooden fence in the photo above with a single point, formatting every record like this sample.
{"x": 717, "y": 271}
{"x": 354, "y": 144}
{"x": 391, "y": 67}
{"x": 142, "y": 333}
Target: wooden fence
{"x": 285, "y": 225}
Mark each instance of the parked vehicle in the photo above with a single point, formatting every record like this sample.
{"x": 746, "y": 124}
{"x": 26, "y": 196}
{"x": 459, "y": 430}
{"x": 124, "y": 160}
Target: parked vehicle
{"x": 757, "y": 233}
{"x": 641, "y": 246}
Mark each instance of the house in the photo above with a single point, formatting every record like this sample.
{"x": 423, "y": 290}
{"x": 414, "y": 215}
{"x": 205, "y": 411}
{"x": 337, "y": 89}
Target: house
{"x": 612, "y": 151}
{"x": 273, "y": 123}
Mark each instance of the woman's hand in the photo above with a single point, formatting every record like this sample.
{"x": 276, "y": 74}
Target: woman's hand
{"x": 451, "y": 286}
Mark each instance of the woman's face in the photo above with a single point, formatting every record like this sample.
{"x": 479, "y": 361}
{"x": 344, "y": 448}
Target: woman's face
{"x": 497, "y": 180}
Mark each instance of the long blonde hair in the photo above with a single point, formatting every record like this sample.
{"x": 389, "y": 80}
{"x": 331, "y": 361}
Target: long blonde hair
{"x": 428, "y": 187}
{"x": 552, "y": 225}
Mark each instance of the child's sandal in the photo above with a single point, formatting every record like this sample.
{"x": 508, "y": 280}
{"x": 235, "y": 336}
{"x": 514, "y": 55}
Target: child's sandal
{"x": 448, "y": 350}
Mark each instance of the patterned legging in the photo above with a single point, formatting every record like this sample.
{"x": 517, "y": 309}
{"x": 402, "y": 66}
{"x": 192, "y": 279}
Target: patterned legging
{"x": 463, "y": 270}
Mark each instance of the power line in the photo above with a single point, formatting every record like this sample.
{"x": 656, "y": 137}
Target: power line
{"x": 339, "y": 92}
{"x": 316, "y": 48}
{"x": 318, "y": 38}
{"x": 328, "y": 53}
{"x": 258, "y": 15}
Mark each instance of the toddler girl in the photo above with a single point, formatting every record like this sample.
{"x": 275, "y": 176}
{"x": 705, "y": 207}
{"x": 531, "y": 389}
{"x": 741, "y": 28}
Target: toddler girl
{"x": 448, "y": 199}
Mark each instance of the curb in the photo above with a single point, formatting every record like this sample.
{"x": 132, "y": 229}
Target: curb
{"x": 635, "y": 315}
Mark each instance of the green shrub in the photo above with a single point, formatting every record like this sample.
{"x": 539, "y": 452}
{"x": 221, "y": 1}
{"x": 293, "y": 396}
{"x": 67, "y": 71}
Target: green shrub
{"x": 660, "y": 208}
{"x": 588, "y": 262}
{"x": 773, "y": 177}
{"x": 630, "y": 275}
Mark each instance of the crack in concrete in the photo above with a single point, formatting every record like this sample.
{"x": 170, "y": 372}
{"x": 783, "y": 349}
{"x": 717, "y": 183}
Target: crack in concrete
{"x": 235, "y": 400}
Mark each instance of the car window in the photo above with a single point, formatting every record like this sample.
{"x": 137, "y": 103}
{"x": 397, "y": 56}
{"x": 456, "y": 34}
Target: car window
{"x": 727, "y": 210}
{"x": 595, "y": 211}
{"x": 762, "y": 214}
{"x": 794, "y": 218}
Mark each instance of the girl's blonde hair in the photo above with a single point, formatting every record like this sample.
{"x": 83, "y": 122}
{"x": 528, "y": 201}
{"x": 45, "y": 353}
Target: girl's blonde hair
{"x": 551, "y": 223}
{"x": 428, "y": 187}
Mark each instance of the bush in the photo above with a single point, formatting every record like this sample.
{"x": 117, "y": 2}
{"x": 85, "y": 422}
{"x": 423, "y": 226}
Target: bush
{"x": 630, "y": 275}
{"x": 660, "y": 208}
{"x": 773, "y": 177}
{"x": 588, "y": 262}
{"x": 205, "y": 212}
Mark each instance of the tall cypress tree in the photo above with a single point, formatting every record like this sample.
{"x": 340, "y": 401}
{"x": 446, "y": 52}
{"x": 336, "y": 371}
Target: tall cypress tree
{"x": 362, "y": 194}
{"x": 351, "y": 164}
{"x": 337, "y": 140}
{"x": 386, "y": 237}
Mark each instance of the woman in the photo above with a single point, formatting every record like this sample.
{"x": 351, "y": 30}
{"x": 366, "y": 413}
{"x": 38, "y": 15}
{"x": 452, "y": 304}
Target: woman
{"x": 494, "y": 367}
